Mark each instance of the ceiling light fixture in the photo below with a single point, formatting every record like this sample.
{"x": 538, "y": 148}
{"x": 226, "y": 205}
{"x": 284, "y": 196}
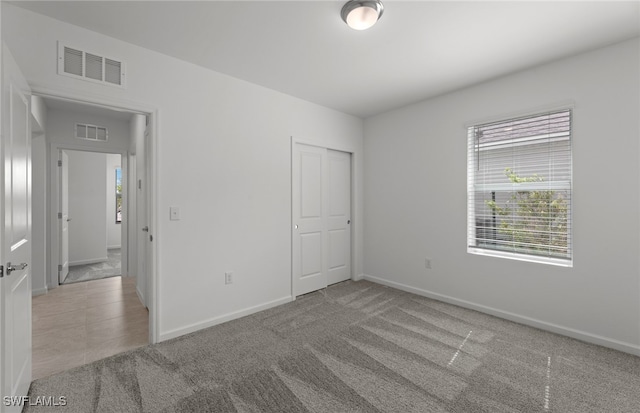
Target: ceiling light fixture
{"x": 361, "y": 14}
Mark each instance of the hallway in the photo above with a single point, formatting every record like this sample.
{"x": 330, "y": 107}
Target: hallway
{"x": 79, "y": 323}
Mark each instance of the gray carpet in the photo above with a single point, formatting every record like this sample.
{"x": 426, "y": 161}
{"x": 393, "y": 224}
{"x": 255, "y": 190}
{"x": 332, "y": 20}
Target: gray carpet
{"x": 356, "y": 347}
{"x": 87, "y": 272}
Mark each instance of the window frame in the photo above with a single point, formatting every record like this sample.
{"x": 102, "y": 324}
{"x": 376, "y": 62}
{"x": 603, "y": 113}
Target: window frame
{"x": 471, "y": 215}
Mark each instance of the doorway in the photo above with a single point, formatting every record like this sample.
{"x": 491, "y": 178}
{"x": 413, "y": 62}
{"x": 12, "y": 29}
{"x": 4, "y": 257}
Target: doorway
{"x": 92, "y": 210}
{"x": 321, "y": 215}
{"x": 108, "y": 315}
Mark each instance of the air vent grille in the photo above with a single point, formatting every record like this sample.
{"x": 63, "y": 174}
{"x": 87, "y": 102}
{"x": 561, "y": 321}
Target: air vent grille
{"x": 91, "y": 132}
{"x": 73, "y": 61}
{"x": 113, "y": 71}
{"x": 93, "y": 67}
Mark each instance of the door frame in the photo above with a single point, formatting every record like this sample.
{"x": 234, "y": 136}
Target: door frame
{"x": 153, "y": 302}
{"x": 355, "y": 217}
{"x": 55, "y": 185}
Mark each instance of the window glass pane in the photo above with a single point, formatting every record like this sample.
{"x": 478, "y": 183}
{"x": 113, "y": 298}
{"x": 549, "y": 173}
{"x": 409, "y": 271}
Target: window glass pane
{"x": 118, "y": 195}
{"x": 519, "y": 186}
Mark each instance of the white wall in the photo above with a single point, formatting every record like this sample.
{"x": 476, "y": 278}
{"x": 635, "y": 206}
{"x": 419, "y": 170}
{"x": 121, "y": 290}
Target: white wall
{"x": 87, "y": 207}
{"x": 38, "y": 199}
{"x": 39, "y": 113}
{"x": 61, "y": 130}
{"x": 224, "y": 158}
{"x": 114, "y": 235}
{"x": 415, "y": 199}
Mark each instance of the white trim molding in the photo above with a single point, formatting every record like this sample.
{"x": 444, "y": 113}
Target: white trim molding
{"x": 88, "y": 261}
{"x": 39, "y": 291}
{"x": 223, "y": 318}
{"x": 543, "y": 325}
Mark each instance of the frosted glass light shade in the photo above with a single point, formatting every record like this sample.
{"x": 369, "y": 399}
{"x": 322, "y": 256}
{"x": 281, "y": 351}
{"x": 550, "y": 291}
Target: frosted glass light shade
{"x": 362, "y": 18}
{"x": 360, "y": 15}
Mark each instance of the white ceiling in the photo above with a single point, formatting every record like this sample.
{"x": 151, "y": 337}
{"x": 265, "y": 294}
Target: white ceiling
{"x": 418, "y": 49}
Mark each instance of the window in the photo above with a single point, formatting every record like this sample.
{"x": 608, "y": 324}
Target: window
{"x": 519, "y": 188}
{"x": 118, "y": 195}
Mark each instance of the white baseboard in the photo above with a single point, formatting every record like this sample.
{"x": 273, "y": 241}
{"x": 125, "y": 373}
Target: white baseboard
{"x": 543, "y": 325}
{"x": 39, "y": 291}
{"x": 141, "y": 297}
{"x": 88, "y": 261}
{"x": 113, "y": 247}
{"x": 358, "y": 277}
{"x": 223, "y": 318}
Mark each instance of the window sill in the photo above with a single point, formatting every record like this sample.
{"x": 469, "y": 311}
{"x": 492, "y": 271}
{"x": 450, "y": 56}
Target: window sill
{"x": 521, "y": 257}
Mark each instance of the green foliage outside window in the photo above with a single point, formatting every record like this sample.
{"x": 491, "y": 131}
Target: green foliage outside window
{"x": 118, "y": 195}
{"x": 535, "y": 220}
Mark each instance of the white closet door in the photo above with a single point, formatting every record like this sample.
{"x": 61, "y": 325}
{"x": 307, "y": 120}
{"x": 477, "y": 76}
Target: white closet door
{"x": 339, "y": 216}
{"x": 321, "y": 193}
{"x": 309, "y": 229}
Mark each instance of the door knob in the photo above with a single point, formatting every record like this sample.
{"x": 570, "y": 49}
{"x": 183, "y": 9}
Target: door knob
{"x": 145, "y": 229}
{"x": 12, "y": 268}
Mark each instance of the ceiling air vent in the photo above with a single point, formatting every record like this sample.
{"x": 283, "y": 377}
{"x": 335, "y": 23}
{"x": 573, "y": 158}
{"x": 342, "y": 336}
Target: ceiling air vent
{"x": 93, "y": 67}
{"x": 91, "y": 132}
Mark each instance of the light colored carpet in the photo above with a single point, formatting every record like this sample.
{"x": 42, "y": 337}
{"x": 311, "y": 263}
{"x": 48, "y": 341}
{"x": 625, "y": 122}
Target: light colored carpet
{"x": 356, "y": 347}
{"x": 109, "y": 268}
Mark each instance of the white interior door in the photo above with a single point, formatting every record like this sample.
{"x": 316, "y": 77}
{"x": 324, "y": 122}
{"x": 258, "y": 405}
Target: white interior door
{"x": 148, "y": 205}
{"x": 148, "y": 240}
{"x": 132, "y": 217}
{"x": 15, "y": 226}
{"x": 309, "y": 223}
{"x": 339, "y": 216}
{"x": 143, "y": 227}
{"x": 64, "y": 217}
{"x": 321, "y": 233}
{"x": 143, "y": 215}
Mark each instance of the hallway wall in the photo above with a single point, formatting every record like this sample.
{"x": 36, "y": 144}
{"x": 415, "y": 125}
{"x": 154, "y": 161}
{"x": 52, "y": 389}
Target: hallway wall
{"x": 87, "y": 207}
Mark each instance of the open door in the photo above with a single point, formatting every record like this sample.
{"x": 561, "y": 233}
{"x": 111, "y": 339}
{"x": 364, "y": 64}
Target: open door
{"x": 64, "y": 216}
{"x": 141, "y": 216}
{"x": 149, "y": 238}
{"x": 15, "y": 227}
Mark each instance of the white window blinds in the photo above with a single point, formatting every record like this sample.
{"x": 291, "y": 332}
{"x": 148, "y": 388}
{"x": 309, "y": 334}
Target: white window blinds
{"x": 519, "y": 188}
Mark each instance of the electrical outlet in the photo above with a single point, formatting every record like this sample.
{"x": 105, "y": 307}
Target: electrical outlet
{"x": 427, "y": 263}
{"x": 228, "y": 277}
{"x": 174, "y": 213}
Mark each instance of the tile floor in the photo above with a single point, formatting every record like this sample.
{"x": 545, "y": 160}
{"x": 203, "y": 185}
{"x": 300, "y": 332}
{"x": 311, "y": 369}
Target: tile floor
{"x": 79, "y": 323}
